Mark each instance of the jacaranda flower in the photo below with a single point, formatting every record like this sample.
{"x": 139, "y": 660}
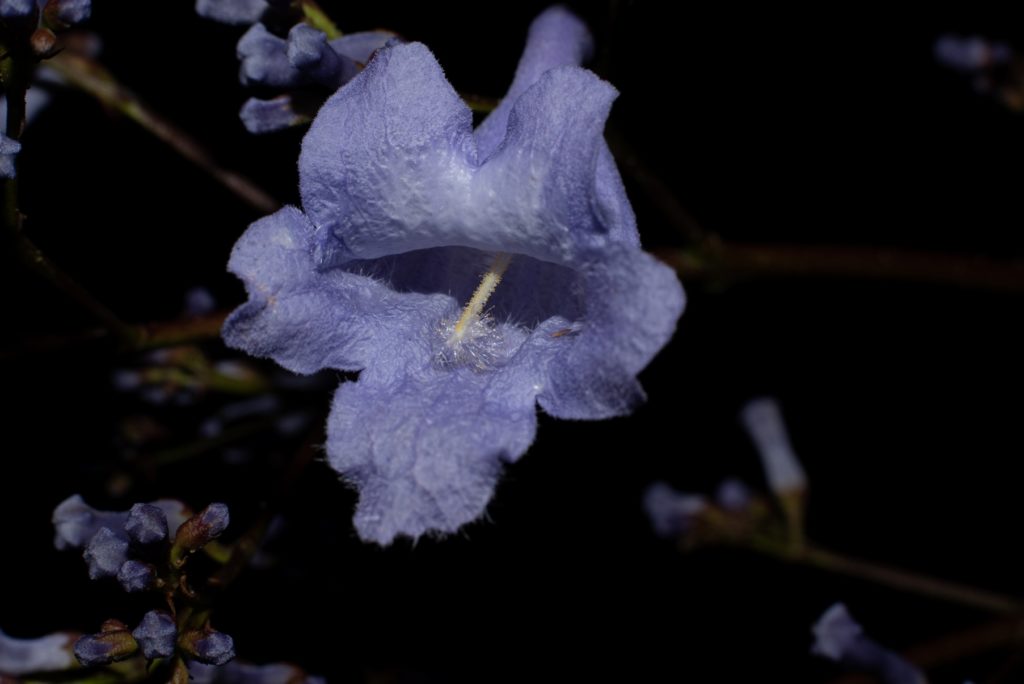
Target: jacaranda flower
{"x": 404, "y": 207}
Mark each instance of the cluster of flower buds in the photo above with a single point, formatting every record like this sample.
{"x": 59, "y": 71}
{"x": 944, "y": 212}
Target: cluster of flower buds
{"x": 155, "y": 637}
{"x": 734, "y": 510}
{"x": 145, "y": 547}
{"x": 277, "y": 54}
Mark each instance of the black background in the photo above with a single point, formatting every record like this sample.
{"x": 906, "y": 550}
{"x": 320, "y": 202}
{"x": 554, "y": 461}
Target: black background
{"x": 903, "y": 400}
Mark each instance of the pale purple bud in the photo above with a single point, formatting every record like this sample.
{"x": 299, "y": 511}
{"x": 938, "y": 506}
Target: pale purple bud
{"x": 763, "y": 422}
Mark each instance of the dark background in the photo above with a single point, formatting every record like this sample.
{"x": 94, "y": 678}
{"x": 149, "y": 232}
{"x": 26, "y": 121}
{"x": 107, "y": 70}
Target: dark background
{"x": 903, "y": 400}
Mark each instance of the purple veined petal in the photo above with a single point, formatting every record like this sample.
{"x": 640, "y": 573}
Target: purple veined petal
{"x": 307, "y": 319}
{"x": 360, "y": 46}
{"x": 49, "y": 653}
{"x": 634, "y": 302}
{"x": 556, "y": 38}
{"x": 239, "y": 12}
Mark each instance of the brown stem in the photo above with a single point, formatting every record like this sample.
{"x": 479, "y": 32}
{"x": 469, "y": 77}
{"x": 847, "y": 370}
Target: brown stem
{"x": 738, "y": 260}
{"x": 92, "y": 78}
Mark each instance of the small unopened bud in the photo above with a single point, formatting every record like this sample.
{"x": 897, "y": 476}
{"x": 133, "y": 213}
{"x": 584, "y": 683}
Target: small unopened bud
{"x": 137, "y": 575}
{"x": 156, "y": 635}
{"x": 202, "y": 528}
{"x": 208, "y": 646}
{"x": 146, "y": 524}
{"x": 106, "y": 553}
{"x": 838, "y": 637}
{"x": 114, "y": 642}
{"x": 43, "y": 42}
{"x": 762, "y": 419}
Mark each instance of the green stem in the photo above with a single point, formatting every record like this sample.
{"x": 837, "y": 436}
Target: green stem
{"x": 895, "y": 578}
{"x": 318, "y": 19}
{"x": 93, "y": 79}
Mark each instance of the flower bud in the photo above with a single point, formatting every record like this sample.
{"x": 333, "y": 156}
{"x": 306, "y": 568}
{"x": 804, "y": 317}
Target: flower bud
{"x": 146, "y": 524}
{"x": 106, "y": 553}
{"x": 112, "y": 643}
{"x": 208, "y": 646}
{"x": 137, "y": 575}
{"x": 203, "y": 527}
{"x": 156, "y": 634}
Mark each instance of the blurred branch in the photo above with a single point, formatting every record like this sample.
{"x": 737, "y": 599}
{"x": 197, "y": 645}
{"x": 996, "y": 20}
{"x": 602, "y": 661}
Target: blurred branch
{"x": 723, "y": 260}
{"x": 38, "y": 262}
{"x": 479, "y": 103}
{"x": 895, "y": 578}
{"x": 92, "y": 78}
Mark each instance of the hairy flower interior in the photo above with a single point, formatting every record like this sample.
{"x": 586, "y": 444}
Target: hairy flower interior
{"x": 491, "y": 322}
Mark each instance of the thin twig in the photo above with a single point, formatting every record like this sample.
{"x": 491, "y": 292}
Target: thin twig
{"x": 895, "y": 578}
{"x": 728, "y": 260}
{"x": 92, "y": 78}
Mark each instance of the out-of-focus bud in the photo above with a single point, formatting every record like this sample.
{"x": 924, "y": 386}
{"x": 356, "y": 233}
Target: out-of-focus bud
{"x": 672, "y": 513}
{"x": 106, "y": 553}
{"x": 43, "y": 42}
{"x": 113, "y": 642}
{"x": 733, "y": 496}
{"x": 146, "y": 524}
{"x": 838, "y": 637}
{"x": 208, "y": 646}
{"x": 156, "y": 635}
{"x": 239, "y": 12}
{"x": 137, "y": 575}
{"x": 16, "y": 8}
{"x": 762, "y": 419}
{"x": 203, "y": 527}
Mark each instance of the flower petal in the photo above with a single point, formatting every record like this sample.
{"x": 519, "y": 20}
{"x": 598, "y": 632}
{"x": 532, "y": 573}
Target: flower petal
{"x": 232, "y": 11}
{"x": 542, "y": 181}
{"x": 386, "y": 155}
{"x": 425, "y": 447}
{"x": 633, "y": 303}
{"x": 307, "y": 319}
{"x": 557, "y": 38}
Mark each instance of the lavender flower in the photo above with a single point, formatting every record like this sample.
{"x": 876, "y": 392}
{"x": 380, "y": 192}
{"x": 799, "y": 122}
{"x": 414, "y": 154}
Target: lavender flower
{"x": 838, "y": 637}
{"x": 48, "y": 653}
{"x": 405, "y": 207}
